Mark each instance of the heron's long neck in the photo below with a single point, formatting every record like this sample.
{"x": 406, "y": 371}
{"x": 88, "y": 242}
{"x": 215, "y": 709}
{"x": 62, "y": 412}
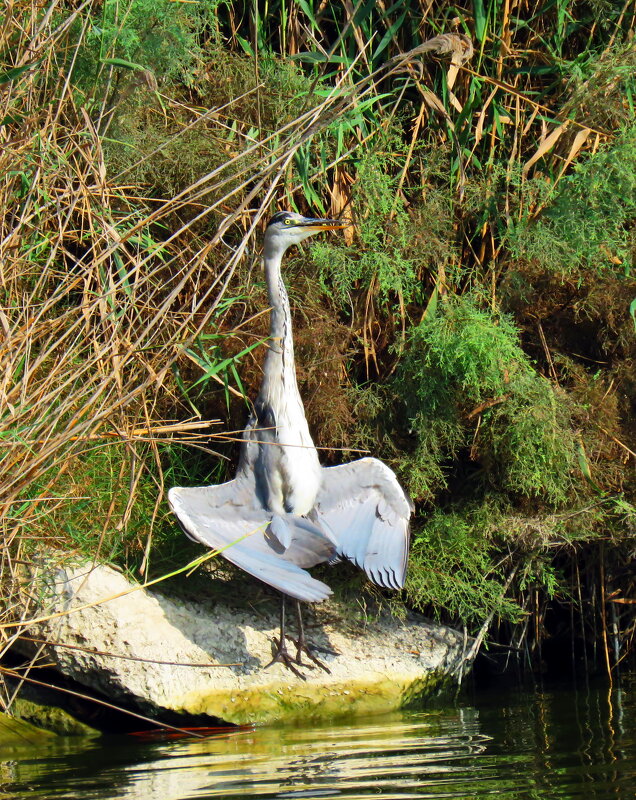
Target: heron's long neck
{"x": 279, "y": 365}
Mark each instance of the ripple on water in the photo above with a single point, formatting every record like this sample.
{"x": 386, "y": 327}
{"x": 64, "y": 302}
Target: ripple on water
{"x": 517, "y": 745}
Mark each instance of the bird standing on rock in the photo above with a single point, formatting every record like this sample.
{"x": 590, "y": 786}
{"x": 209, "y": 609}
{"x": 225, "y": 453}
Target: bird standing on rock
{"x": 284, "y": 512}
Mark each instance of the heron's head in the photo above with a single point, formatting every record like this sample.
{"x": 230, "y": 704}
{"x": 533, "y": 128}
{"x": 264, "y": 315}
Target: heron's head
{"x": 286, "y": 228}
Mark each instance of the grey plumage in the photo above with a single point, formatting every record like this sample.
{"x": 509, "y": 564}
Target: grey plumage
{"x": 284, "y": 513}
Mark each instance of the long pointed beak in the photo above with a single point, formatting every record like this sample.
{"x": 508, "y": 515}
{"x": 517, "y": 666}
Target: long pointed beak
{"x": 317, "y": 224}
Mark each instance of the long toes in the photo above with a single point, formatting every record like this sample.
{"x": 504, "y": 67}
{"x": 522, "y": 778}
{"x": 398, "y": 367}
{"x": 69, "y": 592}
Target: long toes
{"x": 319, "y": 663}
{"x": 299, "y": 660}
{"x": 277, "y": 649}
{"x": 290, "y": 666}
{"x": 286, "y": 661}
{"x": 307, "y": 650}
{"x": 281, "y": 656}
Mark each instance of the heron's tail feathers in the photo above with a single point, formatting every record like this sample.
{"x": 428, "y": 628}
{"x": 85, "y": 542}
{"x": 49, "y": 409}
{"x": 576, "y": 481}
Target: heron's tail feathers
{"x": 299, "y": 540}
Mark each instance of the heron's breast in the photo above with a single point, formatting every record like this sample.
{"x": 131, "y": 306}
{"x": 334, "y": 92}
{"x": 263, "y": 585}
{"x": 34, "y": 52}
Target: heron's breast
{"x": 301, "y": 475}
{"x": 289, "y": 457}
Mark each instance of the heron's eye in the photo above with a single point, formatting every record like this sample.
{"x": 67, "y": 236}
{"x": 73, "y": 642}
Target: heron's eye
{"x": 288, "y": 222}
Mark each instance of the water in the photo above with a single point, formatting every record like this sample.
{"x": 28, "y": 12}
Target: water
{"x": 511, "y": 743}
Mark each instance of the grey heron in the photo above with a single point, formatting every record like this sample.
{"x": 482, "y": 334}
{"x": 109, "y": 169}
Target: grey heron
{"x": 283, "y": 512}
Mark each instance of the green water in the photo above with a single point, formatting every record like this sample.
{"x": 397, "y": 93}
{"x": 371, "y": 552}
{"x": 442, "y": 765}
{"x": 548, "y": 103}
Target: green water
{"x": 512, "y": 743}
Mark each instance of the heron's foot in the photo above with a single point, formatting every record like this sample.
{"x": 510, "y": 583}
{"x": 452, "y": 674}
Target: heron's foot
{"x": 310, "y": 649}
{"x": 281, "y": 656}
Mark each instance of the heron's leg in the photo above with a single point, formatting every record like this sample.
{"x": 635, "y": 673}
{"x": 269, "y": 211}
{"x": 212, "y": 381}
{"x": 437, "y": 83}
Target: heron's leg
{"x": 281, "y": 656}
{"x": 303, "y": 646}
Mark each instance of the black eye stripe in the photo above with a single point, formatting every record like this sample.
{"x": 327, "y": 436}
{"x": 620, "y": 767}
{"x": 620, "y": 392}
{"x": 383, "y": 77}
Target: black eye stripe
{"x": 280, "y": 216}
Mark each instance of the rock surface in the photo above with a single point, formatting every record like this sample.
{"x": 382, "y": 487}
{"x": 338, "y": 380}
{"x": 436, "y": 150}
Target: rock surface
{"x": 161, "y": 654}
{"x": 49, "y": 718}
{"x": 15, "y": 732}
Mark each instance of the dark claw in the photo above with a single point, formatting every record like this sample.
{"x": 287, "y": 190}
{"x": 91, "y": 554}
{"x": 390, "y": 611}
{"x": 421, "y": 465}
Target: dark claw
{"x": 310, "y": 649}
{"x": 299, "y": 651}
{"x": 281, "y": 656}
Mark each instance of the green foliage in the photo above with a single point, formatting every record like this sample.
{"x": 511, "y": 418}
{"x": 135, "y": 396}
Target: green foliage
{"x": 603, "y": 87}
{"x": 157, "y": 35}
{"x": 454, "y": 565}
{"x": 531, "y": 439}
{"x": 169, "y": 155}
{"x": 385, "y": 232}
{"x": 88, "y": 506}
{"x": 466, "y": 347}
{"x": 207, "y": 353}
{"x": 466, "y": 364}
{"x": 588, "y": 219}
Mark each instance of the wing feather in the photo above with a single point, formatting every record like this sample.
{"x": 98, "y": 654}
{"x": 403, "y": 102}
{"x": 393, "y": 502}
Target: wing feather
{"x": 367, "y": 512}
{"x": 227, "y": 517}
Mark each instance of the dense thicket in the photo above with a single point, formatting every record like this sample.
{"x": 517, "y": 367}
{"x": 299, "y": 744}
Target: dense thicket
{"x": 475, "y": 326}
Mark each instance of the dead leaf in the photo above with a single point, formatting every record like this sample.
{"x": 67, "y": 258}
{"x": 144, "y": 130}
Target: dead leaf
{"x": 579, "y": 140}
{"x": 546, "y": 145}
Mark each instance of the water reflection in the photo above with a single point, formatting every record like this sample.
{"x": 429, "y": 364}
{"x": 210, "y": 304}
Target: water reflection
{"x": 518, "y": 745}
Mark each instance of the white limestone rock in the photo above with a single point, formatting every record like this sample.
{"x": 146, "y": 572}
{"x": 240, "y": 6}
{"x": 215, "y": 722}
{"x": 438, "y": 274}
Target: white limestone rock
{"x": 140, "y": 647}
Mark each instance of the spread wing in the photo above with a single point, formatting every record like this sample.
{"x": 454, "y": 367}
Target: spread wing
{"x": 364, "y": 508}
{"x": 272, "y": 548}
